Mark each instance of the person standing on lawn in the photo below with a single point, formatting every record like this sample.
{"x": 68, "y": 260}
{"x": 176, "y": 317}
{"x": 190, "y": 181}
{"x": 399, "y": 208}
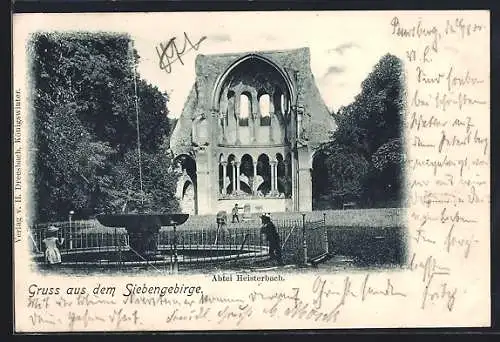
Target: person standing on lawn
{"x": 221, "y": 219}
{"x": 235, "y": 214}
{"x": 269, "y": 230}
{"x": 222, "y": 222}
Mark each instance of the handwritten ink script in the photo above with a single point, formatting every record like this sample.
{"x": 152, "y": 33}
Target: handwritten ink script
{"x": 169, "y": 53}
{"x": 448, "y": 145}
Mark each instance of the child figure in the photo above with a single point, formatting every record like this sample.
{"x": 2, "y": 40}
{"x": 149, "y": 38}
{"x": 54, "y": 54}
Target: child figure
{"x": 52, "y": 243}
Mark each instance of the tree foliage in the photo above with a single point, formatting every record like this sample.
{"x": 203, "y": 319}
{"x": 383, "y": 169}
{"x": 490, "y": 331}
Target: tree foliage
{"x": 85, "y": 123}
{"x": 364, "y": 158}
{"x": 125, "y": 190}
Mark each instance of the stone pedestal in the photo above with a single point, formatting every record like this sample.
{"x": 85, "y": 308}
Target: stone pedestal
{"x": 143, "y": 229}
{"x": 143, "y": 233}
{"x": 143, "y": 238}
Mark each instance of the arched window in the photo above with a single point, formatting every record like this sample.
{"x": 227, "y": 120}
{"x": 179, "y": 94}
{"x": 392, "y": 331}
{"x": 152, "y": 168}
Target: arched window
{"x": 246, "y": 173}
{"x": 245, "y": 109}
{"x": 283, "y": 104}
{"x": 231, "y": 187}
{"x": 263, "y": 177}
{"x": 265, "y": 116}
{"x": 187, "y": 184}
{"x": 282, "y": 181}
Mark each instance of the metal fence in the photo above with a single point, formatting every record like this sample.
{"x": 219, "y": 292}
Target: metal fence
{"x": 316, "y": 239}
{"x": 301, "y": 240}
{"x": 78, "y": 235}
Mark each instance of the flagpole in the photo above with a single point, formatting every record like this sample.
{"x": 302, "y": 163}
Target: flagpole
{"x": 137, "y": 124}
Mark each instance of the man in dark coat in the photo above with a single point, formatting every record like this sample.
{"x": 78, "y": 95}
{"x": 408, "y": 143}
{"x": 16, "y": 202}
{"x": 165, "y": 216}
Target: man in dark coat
{"x": 269, "y": 230}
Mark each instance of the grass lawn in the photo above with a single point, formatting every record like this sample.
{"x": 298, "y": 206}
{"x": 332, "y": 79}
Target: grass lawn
{"x": 368, "y": 218}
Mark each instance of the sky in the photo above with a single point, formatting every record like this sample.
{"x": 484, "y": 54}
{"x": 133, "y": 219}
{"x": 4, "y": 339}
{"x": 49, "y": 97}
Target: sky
{"x": 344, "y": 46}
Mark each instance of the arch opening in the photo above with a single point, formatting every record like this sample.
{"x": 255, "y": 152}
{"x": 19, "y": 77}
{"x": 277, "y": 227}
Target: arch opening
{"x": 187, "y": 183}
{"x": 255, "y": 86}
{"x": 263, "y": 186}
{"x": 230, "y": 106}
{"x": 321, "y": 197}
{"x": 245, "y": 109}
{"x": 264, "y": 105}
{"x": 230, "y": 174}
{"x": 246, "y": 174}
{"x": 284, "y": 181}
{"x": 256, "y": 59}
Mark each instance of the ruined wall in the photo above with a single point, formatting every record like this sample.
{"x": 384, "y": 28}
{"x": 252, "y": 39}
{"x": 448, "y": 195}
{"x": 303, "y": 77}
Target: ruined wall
{"x": 218, "y": 77}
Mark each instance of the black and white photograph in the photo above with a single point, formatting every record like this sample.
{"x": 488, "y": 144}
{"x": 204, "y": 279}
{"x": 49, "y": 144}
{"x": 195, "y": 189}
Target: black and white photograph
{"x": 315, "y": 155}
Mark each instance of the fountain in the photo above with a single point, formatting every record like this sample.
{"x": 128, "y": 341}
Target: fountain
{"x": 143, "y": 232}
{"x": 143, "y": 229}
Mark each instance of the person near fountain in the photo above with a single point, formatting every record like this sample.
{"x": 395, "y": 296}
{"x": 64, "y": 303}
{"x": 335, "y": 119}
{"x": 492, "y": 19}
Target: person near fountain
{"x": 235, "y": 213}
{"x": 221, "y": 219}
{"x": 269, "y": 230}
{"x": 52, "y": 243}
{"x": 222, "y": 223}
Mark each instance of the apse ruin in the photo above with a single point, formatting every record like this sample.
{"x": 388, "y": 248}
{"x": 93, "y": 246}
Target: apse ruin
{"x": 248, "y": 132}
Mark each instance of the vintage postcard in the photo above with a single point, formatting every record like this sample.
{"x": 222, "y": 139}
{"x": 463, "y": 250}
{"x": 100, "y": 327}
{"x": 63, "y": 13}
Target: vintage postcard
{"x": 251, "y": 170}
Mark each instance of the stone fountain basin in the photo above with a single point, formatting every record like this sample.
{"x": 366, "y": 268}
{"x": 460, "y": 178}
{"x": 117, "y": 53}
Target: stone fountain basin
{"x": 141, "y": 220}
{"x": 142, "y": 228}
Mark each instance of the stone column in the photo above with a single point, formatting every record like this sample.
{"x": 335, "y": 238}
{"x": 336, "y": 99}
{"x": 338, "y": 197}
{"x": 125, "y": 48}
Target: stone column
{"x": 204, "y": 182}
{"x": 222, "y": 117}
{"x": 271, "y": 118}
{"x": 237, "y": 117}
{"x": 254, "y": 181}
{"x": 253, "y": 123}
{"x": 273, "y": 177}
{"x": 294, "y": 183}
{"x": 304, "y": 180}
{"x": 224, "y": 175}
{"x": 237, "y": 176}
{"x": 234, "y": 176}
{"x": 299, "y": 125}
{"x": 254, "y": 116}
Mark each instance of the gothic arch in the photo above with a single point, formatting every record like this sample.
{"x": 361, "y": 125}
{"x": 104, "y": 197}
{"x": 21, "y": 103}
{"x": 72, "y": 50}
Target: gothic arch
{"x": 187, "y": 184}
{"x": 216, "y": 93}
{"x": 319, "y": 180}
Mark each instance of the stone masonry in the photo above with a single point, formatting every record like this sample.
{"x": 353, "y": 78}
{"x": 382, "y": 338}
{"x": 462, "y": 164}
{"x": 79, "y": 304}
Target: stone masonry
{"x": 248, "y": 132}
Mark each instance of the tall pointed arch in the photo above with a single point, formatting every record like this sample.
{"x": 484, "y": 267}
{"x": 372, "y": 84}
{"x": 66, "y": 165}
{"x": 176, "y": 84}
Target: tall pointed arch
{"x": 216, "y": 93}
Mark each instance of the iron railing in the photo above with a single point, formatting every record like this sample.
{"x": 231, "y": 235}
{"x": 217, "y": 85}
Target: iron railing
{"x": 193, "y": 241}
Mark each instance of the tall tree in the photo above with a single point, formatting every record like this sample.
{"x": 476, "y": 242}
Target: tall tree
{"x": 375, "y": 116}
{"x": 85, "y": 119}
{"x": 364, "y": 156}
